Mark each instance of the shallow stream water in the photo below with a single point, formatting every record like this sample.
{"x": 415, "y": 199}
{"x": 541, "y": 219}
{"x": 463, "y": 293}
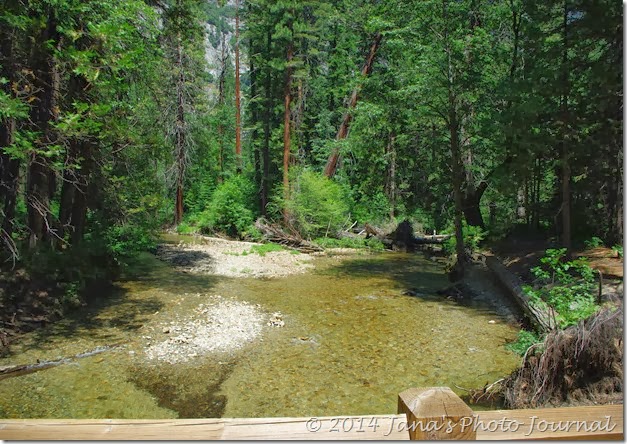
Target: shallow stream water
{"x": 351, "y": 342}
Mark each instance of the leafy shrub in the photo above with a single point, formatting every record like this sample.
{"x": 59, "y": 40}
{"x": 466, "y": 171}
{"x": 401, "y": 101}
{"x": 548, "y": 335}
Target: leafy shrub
{"x": 593, "y": 242}
{"x": 229, "y": 208}
{"x": 184, "y": 228}
{"x": 524, "y": 340}
{"x": 317, "y": 205}
{"x": 472, "y": 237}
{"x": 127, "y": 240}
{"x": 566, "y": 286}
{"x": 618, "y": 249}
{"x": 369, "y": 207}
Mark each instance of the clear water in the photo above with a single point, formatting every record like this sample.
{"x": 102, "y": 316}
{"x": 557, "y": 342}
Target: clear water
{"x": 350, "y": 344}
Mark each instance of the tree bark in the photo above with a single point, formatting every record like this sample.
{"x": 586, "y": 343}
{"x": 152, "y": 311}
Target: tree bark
{"x": 44, "y": 110}
{"x": 333, "y": 160}
{"x": 391, "y": 174}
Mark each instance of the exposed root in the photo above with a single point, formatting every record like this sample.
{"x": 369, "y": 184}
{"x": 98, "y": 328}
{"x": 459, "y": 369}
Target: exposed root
{"x": 582, "y": 364}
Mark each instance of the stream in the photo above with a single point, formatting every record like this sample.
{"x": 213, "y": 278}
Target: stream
{"x": 349, "y": 343}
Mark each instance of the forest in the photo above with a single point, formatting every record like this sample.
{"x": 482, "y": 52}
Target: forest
{"x": 121, "y": 118}
{"x": 489, "y": 120}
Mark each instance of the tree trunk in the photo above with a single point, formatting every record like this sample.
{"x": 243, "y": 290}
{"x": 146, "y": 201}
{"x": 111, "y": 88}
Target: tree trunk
{"x": 332, "y": 163}
{"x": 43, "y": 111}
{"x": 457, "y": 185}
{"x": 456, "y": 159}
{"x": 286, "y": 131}
{"x": 391, "y": 174}
{"x": 238, "y": 114}
{"x": 81, "y": 190}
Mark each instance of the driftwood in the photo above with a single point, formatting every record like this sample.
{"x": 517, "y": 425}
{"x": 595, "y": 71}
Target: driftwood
{"x": 11, "y": 371}
{"x": 542, "y": 319}
{"x": 402, "y": 237}
{"x": 276, "y": 234}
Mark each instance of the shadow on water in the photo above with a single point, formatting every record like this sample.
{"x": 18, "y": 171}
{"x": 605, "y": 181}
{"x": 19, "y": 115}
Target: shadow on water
{"x": 406, "y": 271}
{"x": 417, "y": 277}
{"x": 194, "y": 393}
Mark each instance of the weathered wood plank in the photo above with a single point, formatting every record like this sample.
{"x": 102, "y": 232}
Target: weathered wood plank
{"x": 594, "y": 422}
{"x": 111, "y": 429}
{"x": 374, "y": 427}
{"x": 581, "y": 423}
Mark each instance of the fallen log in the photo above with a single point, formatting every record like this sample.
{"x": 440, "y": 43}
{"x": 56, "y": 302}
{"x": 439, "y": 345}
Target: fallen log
{"x": 432, "y": 239}
{"x": 277, "y": 235}
{"x": 11, "y": 371}
{"x": 543, "y": 319}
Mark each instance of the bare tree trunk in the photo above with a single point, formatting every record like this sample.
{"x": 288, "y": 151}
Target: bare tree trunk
{"x": 332, "y": 163}
{"x": 238, "y": 114}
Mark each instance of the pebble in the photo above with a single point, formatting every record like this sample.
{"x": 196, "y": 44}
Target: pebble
{"x": 222, "y": 327}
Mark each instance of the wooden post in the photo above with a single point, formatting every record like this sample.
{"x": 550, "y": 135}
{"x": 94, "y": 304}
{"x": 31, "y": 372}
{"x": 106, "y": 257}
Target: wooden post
{"x": 436, "y": 413}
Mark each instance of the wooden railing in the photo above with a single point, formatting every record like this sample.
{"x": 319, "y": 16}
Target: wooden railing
{"x": 426, "y": 413}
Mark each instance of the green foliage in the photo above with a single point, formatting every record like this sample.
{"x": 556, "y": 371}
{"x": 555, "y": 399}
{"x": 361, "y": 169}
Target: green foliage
{"x": 124, "y": 241}
{"x": 229, "y": 208}
{"x": 524, "y": 340}
{"x": 350, "y": 242}
{"x": 593, "y": 242}
{"x": 618, "y": 250}
{"x": 185, "y": 228}
{"x": 263, "y": 249}
{"x": 473, "y": 236}
{"x": 566, "y": 286}
{"x": 317, "y": 205}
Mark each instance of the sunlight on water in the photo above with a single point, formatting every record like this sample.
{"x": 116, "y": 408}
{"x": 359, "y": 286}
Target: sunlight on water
{"x": 351, "y": 342}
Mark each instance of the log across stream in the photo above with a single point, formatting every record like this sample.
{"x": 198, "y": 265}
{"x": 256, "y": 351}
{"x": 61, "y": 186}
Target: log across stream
{"x": 345, "y": 341}
{"x": 11, "y": 371}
